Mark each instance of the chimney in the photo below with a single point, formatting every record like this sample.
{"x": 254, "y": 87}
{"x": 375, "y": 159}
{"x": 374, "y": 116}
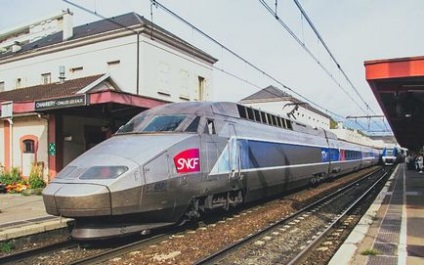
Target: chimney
{"x": 68, "y": 27}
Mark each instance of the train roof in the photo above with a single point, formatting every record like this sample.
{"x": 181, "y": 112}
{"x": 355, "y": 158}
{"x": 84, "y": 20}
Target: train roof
{"x": 200, "y": 108}
{"x": 234, "y": 110}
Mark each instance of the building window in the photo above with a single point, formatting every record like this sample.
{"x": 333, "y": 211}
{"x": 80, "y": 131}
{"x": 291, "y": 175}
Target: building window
{"x": 201, "y": 88}
{"x": 164, "y": 79}
{"x": 1, "y": 86}
{"x": 46, "y": 78}
{"x": 29, "y": 146}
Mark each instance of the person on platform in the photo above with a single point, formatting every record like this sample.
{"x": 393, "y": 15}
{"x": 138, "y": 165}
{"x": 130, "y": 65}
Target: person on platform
{"x": 420, "y": 163}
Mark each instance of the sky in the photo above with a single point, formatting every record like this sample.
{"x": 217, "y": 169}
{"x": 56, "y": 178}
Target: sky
{"x": 353, "y": 30}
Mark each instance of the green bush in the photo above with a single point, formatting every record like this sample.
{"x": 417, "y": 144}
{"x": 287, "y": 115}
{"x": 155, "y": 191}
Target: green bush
{"x": 35, "y": 179}
{"x": 36, "y": 182}
{"x": 10, "y": 177}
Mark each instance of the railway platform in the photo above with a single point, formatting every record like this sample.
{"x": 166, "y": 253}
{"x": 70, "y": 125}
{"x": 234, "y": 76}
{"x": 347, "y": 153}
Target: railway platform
{"x": 25, "y": 215}
{"x": 392, "y": 230}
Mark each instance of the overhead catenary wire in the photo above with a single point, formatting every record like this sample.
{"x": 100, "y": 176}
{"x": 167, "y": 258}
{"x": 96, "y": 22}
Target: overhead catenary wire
{"x": 311, "y": 24}
{"x": 303, "y": 45}
{"x": 157, "y": 4}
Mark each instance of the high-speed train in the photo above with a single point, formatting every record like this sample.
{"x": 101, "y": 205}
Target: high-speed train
{"x": 179, "y": 160}
{"x": 391, "y": 155}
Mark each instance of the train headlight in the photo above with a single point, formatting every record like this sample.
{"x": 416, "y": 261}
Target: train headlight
{"x": 104, "y": 172}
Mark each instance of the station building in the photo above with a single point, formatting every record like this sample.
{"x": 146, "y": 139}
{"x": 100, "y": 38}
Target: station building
{"x": 68, "y": 88}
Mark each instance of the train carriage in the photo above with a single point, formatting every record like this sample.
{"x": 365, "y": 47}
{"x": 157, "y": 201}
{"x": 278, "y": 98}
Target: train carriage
{"x": 180, "y": 160}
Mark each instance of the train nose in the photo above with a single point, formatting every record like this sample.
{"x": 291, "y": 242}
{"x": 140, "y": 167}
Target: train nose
{"x": 77, "y": 200}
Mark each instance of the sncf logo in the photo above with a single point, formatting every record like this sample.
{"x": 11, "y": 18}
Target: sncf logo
{"x": 187, "y": 161}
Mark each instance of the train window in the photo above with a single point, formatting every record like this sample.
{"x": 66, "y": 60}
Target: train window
{"x": 242, "y": 111}
{"x": 132, "y": 124}
{"x": 257, "y": 115}
{"x": 193, "y": 125}
{"x": 289, "y": 124}
{"x": 210, "y": 127}
{"x": 283, "y": 122}
{"x": 164, "y": 123}
{"x": 274, "y": 120}
{"x": 104, "y": 172}
{"x": 278, "y": 121}
{"x": 269, "y": 118}
{"x": 263, "y": 117}
{"x": 250, "y": 114}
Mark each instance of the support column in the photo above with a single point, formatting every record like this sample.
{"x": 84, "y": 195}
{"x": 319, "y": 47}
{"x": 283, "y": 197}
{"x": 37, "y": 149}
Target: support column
{"x": 51, "y": 142}
{"x": 7, "y": 143}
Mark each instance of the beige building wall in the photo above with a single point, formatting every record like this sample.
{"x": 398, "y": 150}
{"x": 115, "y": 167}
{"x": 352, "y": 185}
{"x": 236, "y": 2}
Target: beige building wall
{"x": 2, "y": 143}
{"x": 32, "y": 128}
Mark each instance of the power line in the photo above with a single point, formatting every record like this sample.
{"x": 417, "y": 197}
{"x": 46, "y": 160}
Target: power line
{"x": 157, "y": 4}
{"x": 303, "y": 45}
{"x": 328, "y": 51}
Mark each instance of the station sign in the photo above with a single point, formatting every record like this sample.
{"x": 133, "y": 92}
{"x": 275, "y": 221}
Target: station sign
{"x": 60, "y": 103}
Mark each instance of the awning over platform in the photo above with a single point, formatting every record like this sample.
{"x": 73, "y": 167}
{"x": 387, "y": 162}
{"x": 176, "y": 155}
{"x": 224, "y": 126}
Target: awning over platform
{"x": 398, "y": 85}
{"x": 93, "y": 96}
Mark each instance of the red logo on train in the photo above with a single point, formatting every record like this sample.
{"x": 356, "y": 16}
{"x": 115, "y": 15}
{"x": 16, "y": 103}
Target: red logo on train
{"x": 187, "y": 161}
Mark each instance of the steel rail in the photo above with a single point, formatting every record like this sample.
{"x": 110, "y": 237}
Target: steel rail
{"x": 225, "y": 251}
{"x": 21, "y": 255}
{"x": 318, "y": 239}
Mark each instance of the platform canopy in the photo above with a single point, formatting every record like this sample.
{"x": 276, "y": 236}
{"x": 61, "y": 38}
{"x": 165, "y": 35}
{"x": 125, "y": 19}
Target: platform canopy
{"x": 398, "y": 85}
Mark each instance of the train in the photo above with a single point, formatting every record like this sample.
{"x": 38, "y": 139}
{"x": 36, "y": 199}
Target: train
{"x": 392, "y": 155}
{"x": 178, "y": 161}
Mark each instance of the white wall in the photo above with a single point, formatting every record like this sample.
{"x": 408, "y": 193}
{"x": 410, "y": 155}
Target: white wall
{"x": 181, "y": 70}
{"x": 355, "y": 137}
{"x": 176, "y": 74}
{"x": 30, "y": 125}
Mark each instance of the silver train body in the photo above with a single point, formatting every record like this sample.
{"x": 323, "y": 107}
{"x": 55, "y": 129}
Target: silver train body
{"x": 179, "y": 160}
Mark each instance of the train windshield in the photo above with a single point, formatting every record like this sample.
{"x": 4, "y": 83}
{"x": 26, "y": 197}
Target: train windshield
{"x": 164, "y": 123}
{"x": 389, "y": 152}
{"x": 156, "y": 123}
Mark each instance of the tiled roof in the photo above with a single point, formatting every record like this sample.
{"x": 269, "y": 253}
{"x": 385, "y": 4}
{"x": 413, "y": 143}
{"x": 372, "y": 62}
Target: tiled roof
{"x": 85, "y": 30}
{"x": 53, "y": 90}
{"x": 125, "y": 21}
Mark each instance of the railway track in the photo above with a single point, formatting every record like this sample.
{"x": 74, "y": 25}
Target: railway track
{"x": 84, "y": 253}
{"x": 162, "y": 244}
{"x": 26, "y": 254}
{"x": 292, "y": 239}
